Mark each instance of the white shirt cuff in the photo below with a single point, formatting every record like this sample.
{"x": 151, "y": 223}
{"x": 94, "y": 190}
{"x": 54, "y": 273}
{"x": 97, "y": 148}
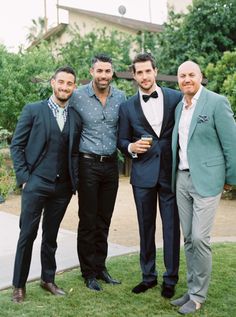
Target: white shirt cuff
{"x": 134, "y": 155}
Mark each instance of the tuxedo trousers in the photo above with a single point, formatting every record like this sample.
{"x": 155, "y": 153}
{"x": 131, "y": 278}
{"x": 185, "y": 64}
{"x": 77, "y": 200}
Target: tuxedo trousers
{"x": 146, "y": 205}
{"x": 51, "y": 199}
{"x": 98, "y": 185}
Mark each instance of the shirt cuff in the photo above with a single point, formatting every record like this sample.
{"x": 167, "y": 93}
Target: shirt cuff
{"x": 134, "y": 155}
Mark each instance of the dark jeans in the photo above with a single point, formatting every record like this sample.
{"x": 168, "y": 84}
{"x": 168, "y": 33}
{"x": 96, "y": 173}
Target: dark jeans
{"x": 98, "y": 184}
{"x": 40, "y": 194}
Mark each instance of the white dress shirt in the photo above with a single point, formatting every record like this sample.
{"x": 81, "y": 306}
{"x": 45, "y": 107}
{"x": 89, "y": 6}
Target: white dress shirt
{"x": 184, "y": 125}
{"x": 153, "y": 110}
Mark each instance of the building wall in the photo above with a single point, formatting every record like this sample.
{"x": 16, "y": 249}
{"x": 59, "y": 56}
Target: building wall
{"x": 179, "y": 5}
{"x": 87, "y": 24}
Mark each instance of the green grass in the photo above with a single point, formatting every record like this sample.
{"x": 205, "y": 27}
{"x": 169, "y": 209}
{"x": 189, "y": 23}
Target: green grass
{"x": 119, "y": 301}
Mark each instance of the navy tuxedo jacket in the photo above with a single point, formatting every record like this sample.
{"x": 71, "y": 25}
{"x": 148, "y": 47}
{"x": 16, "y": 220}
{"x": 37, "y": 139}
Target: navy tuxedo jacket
{"x": 32, "y": 138}
{"x": 133, "y": 123}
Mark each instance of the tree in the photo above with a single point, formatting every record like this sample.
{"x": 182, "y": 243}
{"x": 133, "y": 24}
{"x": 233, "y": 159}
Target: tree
{"x": 36, "y": 30}
{"x": 80, "y": 50}
{"x": 222, "y": 77}
{"x": 203, "y": 34}
{"x": 17, "y": 81}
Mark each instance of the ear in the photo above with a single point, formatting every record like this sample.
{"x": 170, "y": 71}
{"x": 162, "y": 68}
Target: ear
{"x": 156, "y": 71}
{"x": 52, "y": 82}
{"x": 201, "y": 77}
{"x": 91, "y": 71}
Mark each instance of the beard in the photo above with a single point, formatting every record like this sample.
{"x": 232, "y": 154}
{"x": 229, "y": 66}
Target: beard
{"x": 62, "y": 96}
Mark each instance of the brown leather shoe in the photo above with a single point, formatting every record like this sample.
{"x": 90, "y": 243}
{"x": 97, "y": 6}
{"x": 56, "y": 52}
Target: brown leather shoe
{"x": 52, "y": 288}
{"x": 18, "y": 295}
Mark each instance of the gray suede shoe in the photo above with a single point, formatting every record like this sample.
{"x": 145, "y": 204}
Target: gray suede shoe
{"x": 188, "y": 308}
{"x": 180, "y": 301}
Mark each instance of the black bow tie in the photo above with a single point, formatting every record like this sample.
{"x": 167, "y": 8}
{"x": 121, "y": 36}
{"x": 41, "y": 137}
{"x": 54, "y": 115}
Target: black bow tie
{"x": 154, "y": 94}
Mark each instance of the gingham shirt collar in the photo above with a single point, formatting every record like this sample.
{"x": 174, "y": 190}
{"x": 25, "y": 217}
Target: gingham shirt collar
{"x": 56, "y": 108}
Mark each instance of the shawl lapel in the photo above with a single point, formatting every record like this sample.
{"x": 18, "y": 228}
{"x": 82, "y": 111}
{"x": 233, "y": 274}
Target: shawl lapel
{"x": 141, "y": 116}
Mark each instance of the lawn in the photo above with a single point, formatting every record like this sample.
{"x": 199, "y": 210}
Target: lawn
{"x": 119, "y": 301}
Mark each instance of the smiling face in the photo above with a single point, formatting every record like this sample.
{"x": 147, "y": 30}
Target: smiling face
{"x": 63, "y": 85}
{"x": 189, "y": 78}
{"x": 145, "y": 76}
{"x": 102, "y": 73}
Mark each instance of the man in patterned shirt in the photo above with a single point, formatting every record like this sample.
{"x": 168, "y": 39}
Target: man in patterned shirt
{"x": 98, "y": 105}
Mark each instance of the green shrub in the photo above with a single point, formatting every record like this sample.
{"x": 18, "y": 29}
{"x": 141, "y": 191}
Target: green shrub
{"x": 7, "y": 178}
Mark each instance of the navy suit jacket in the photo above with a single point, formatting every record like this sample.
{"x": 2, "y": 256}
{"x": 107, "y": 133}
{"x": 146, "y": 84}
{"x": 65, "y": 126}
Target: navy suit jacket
{"x": 32, "y": 139}
{"x": 133, "y": 123}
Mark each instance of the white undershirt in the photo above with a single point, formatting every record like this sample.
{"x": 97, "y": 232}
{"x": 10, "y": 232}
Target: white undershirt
{"x": 184, "y": 125}
{"x": 153, "y": 110}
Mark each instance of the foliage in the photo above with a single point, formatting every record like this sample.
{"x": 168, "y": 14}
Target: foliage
{"x": 5, "y": 136}
{"x": 222, "y": 76}
{"x": 118, "y": 301}
{"x": 17, "y": 84}
{"x": 203, "y": 34}
{"x": 36, "y": 30}
{"x": 79, "y": 52}
{"x": 7, "y": 179}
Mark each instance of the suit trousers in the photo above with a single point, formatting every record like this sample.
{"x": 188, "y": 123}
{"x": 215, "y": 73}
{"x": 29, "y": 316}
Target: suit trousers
{"x": 197, "y": 215}
{"x": 50, "y": 198}
{"x": 146, "y": 205}
{"x": 98, "y": 184}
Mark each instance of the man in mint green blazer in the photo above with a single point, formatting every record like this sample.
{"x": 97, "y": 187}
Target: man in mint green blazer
{"x": 204, "y": 163}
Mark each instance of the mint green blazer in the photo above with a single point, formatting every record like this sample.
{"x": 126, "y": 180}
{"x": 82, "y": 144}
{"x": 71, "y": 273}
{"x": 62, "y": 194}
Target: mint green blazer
{"x": 211, "y": 149}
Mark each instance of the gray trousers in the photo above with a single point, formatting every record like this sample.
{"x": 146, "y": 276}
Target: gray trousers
{"x": 196, "y": 215}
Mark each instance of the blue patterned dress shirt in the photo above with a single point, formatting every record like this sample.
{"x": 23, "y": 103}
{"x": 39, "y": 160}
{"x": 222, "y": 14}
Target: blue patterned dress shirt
{"x": 99, "y": 131}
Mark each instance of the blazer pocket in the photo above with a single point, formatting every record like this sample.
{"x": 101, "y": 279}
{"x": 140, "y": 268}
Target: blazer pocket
{"x": 215, "y": 161}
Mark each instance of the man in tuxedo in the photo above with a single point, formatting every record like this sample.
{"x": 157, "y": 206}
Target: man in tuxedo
{"x": 151, "y": 111}
{"x": 45, "y": 154}
{"x": 204, "y": 163}
{"x": 98, "y": 105}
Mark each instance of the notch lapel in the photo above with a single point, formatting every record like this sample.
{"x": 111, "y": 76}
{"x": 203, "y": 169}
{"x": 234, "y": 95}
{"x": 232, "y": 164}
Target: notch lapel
{"x": 198, "y": 110}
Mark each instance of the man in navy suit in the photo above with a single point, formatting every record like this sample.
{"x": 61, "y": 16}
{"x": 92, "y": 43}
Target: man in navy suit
{"x": 151, "y": 112}
{"x": 45, "y": 154}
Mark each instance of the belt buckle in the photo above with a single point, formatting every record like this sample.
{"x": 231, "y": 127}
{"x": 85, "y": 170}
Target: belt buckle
{"x": 102, "y": 157}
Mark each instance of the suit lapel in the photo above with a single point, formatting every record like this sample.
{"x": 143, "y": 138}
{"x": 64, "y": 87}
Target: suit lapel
{"x": 46, "y": 117}
{"x": 141, "y": 116}
{"x": 71, "y": 118}
{"x": 166, "y": 111}
{"x": 198, "y": 110}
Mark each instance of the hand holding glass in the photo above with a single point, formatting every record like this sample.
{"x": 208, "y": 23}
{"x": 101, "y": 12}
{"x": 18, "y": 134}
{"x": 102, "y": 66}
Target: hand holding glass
{"x": 148, "y": 138}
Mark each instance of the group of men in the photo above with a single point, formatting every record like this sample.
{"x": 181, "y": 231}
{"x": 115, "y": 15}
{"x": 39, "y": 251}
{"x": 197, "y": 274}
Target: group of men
{"x": 69, "y": 142}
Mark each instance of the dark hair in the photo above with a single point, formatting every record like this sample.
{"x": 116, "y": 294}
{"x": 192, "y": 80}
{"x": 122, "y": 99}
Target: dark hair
{"x": 102, "y": 58}
{"x": 65, "y": 69}
{"x": 143, "y": 57}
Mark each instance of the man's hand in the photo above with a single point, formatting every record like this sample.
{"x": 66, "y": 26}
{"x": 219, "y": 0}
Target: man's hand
{"x": 23, "y": 185}
{"x": 139, "y": 147}
{"x": 227, "y": 187}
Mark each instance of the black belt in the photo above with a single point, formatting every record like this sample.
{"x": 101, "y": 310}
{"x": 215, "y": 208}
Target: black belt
{"x": 99, "y": 158}
{"x": 185, "y": 170}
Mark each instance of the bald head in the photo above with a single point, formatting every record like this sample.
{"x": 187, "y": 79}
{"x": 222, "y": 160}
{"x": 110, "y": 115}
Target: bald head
{"x": 189, "y": 78}
{"x": 189, "y": 65}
